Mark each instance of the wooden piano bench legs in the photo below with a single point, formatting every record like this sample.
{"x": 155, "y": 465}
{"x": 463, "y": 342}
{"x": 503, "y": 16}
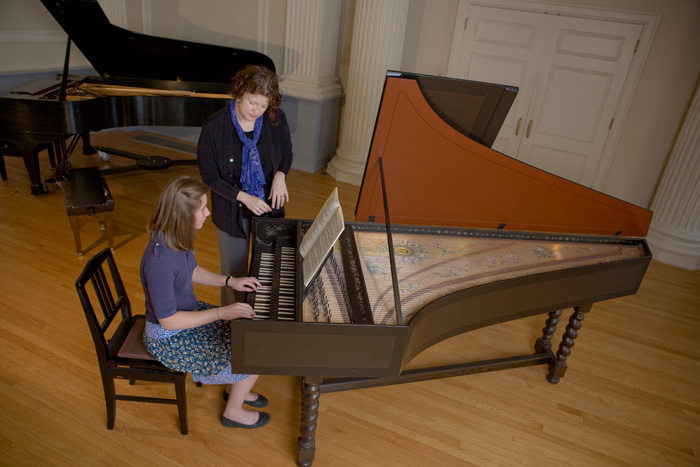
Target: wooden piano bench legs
{"x": 105, "y": 220}
{"x": 87, "y": 194}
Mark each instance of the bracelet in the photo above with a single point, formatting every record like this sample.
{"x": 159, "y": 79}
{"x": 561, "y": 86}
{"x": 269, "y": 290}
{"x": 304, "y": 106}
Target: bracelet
{"x": 226, "y": 283}
{"x": 217, "y": 314}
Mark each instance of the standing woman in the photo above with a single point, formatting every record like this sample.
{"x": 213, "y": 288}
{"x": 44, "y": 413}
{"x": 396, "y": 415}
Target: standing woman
{"x": 182, "y": 333}
{"x": 245, "y": 154}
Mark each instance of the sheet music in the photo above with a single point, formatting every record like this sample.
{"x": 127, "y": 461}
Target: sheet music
{"x": 321, "y": 236}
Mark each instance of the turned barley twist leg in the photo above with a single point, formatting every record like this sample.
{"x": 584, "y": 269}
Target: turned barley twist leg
{"x": 310, "y": 394}
{"x": 557, "y": 367}
{"x": 544, "y": 343}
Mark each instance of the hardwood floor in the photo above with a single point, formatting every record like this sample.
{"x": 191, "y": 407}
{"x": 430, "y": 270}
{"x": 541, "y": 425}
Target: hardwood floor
{"x": 631, "y": 395}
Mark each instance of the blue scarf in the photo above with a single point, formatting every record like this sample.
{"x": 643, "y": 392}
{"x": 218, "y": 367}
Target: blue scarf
{"x": 252, "y": 177}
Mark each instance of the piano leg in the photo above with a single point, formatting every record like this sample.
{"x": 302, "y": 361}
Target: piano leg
{"x": 88, "y": 150}
{"x": 310, "y": 394}
{"x": 557, "y": 366}
{"x": 31, "y": 162}
{"x": 544, "y": 343}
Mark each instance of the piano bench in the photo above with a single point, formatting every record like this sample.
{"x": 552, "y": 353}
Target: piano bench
{"x": 86, "y": 194}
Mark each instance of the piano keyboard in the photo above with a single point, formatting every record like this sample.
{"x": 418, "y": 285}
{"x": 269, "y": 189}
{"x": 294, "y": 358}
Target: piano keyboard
{"x": 276, "y": 297}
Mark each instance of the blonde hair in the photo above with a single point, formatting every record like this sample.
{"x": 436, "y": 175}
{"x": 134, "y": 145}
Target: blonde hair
{"x": 257, "y": 79}
{"x": 174, "y": 211}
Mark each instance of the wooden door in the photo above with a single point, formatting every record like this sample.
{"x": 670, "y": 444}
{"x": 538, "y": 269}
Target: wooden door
{"x": 504, "y": 47}
{"x": 570, "y": 72}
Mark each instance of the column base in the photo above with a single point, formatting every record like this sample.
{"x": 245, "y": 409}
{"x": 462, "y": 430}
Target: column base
{"x": 314, "y": 127}
{"x": 674, "y": 247}
{"x": 347, "y": 168}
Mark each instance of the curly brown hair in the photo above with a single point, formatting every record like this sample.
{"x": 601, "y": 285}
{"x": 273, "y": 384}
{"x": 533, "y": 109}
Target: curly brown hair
{"x": 257, "y": 79}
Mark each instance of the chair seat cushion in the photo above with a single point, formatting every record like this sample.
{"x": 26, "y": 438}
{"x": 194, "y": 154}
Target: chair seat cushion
{"x": 133, "y": 346}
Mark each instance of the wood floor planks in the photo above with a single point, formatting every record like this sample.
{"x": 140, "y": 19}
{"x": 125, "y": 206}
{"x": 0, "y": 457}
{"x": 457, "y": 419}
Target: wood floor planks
{"x": 631, "y": 395}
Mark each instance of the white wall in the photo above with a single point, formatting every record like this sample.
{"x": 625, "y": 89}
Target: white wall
{"x": 662, "y": 98}
{"x": 429, "y": 27}
{"x": 31, "y": 41}
{"x": 253, "y": 25}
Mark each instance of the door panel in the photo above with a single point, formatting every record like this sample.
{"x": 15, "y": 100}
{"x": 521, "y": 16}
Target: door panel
{"x": 583, "y": 68}
{"x": 568, "y": 164}
{"x": 573, "y": 103}
{"x": 570, "y": 72}
{"x": 504, "y": 47}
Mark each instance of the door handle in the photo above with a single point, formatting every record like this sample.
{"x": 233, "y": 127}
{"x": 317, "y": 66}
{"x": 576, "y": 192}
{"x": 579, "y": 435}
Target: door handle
{"x": 529, "y": 125}
{"x": 517, "y": 128}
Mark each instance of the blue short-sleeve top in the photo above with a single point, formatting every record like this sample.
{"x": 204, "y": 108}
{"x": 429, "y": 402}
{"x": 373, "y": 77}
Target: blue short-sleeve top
{"x": 166, "y": 277}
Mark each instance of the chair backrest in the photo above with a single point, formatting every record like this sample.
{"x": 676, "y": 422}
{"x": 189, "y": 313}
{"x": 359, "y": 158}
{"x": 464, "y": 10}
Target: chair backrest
{"x": 104, "y": 302}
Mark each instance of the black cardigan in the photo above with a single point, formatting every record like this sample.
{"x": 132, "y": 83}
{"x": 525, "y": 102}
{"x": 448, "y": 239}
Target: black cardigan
{"x": 218, "y": 145}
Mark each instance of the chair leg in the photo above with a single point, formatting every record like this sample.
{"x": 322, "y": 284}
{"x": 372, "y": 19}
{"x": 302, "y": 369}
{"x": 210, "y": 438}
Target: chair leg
{"x": 181, "y": 396}
{"x": 110, "y": 401}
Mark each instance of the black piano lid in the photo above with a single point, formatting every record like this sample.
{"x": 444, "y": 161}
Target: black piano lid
{"x": 117, "y": 52}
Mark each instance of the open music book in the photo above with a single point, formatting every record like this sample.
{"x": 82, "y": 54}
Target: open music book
{"x": 321, "y": 236}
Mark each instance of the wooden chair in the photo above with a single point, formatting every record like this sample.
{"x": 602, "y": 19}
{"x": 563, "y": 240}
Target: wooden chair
{"x": 118, "y": 338}
{"x": 86, "y": 194}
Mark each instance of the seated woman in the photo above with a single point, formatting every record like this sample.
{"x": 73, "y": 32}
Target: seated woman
{"x": 182, "y": 333}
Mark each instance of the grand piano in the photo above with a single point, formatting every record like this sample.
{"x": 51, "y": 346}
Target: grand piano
{"x": 143, "y": 81}
{"x": 450, "y": 236}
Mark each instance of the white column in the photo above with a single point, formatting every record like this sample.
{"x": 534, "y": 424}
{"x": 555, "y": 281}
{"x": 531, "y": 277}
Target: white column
{"x": 674, "y": 236}
{"x": 311, "y": 43}
{"x": 309, "y": 84}
{"x": 377, "y": 45}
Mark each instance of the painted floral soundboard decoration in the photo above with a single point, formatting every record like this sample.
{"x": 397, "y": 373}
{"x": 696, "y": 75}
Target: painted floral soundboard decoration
{"x": 432, "y": 266}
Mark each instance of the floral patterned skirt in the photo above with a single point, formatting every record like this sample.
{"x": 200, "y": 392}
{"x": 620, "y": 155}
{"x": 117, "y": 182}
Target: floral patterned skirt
{"x": 204, "y": 351}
